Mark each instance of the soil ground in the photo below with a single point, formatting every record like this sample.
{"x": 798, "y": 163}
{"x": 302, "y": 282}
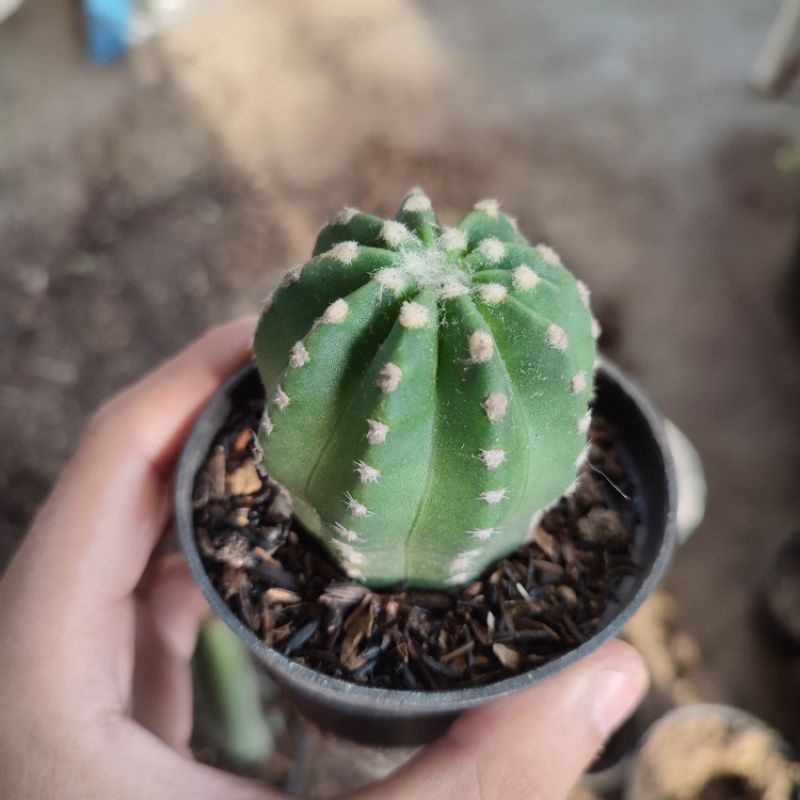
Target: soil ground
{"x": 143, "y": 202}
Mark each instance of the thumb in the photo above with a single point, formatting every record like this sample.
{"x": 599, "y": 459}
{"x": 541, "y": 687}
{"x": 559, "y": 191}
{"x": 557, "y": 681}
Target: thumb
{"x": 532, "y": 745}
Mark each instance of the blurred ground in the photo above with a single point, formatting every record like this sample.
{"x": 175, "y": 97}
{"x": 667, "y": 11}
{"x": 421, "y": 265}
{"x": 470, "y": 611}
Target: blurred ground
{"x": 141, "y": 203}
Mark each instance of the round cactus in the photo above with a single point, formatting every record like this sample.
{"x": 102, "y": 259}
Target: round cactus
{"x": 427, "y": 388}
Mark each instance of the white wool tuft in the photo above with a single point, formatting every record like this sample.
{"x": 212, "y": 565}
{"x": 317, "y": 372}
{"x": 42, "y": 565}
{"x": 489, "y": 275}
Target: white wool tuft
{"x": 345, "y": 215}
{"x": 453, "y": 239}
{"x": 389, "y": 377}
{"x": 493, "y": 458}
{"x": 335, "y": 312}
{"x": 556, "y": 337}
{"x": 346, "y": 534}
{"x": 578, "y": 382}
{"x": 366, "y": 473}
{"x": 525, "y": 278}
{"x": 358, "y": 510}
{"x": 349, "y": 553}
{"x": 451, "y": 289}
{"x": 492, "y": 293}
{"x": 481, "y": 347}
{"x": 483, "y": 534}
{"x": 490, "y": 206}
{"x": 417, "y": 200}
{"x": 495, "y": 406}
{"x": 492, "y": 249}
{"x": 494, "y": 496}
{"x": 464, "y": 560}
{"x": 344, "y": 252}
{"x": 299, "y": 355}
{"x": 377, "y": 431}
{"x": 280, "y": 398}
{"x": 548, "y": 255}
{"x": 391, "y": 278}
{"x": 394, "y": 233}
{"x": 413, "y": 315}
{"x": 292, "y": 275}
{"x": 584, "y": 293}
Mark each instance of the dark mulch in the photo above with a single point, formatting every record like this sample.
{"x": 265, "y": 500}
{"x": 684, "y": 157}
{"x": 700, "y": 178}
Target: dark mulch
{"x": 542, "y": 601}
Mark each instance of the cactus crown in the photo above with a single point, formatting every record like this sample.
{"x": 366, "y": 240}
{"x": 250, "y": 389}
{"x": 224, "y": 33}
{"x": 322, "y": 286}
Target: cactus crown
{"x": 428, "y": 390}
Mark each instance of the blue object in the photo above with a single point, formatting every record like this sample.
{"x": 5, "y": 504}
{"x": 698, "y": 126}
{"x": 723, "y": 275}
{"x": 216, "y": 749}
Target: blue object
{"x": 108, "y": 26}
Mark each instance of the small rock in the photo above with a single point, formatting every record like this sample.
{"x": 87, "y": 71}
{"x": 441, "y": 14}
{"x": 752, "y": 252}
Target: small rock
{"x": 244, "y": 480}
{"x": 603, "y": 526}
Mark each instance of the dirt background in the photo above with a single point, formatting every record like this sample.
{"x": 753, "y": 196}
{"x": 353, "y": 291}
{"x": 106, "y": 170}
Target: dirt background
{"x": 141, "y": 203}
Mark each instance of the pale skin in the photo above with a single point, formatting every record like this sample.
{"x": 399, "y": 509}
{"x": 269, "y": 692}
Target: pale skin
{"x": 97, "y": 630}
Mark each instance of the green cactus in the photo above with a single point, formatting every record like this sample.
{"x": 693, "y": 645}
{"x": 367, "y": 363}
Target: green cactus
{"x": 428, "y": 390}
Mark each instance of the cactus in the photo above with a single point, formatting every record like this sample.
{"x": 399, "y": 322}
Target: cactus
{"x": 428, "y": 390}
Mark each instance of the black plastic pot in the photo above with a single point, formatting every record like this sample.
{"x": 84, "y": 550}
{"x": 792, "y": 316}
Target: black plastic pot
{"x": 397, "y": 717}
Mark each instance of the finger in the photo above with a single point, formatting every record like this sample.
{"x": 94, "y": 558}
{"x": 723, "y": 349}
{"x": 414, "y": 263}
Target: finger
{"x": 177, "y": 604}
{"x": 94, "y": 536}
{"x": 532, "y": 745}
{"x": 167, "y": 625}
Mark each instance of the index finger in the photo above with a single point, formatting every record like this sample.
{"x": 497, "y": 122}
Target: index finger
{"x": 94, "y": 536}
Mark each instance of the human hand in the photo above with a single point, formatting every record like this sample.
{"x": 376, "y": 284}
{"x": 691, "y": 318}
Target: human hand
{"x": 97, "y": 631}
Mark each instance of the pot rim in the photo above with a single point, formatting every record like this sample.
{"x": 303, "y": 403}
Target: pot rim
{"x": 404, "y": 702}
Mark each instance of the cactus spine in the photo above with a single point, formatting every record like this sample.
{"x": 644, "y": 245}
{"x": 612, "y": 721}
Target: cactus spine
{"x": 428, "y": 390}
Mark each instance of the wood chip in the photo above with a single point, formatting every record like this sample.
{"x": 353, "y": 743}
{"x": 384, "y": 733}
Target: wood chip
{"x": 567, "y": 594}
{"x": 468, "y": 647}
{"x": 301, "y": 637}
{"x": 546, "y": 541}
{"x": 278, "y": 595}
{"x": 390, "y": 610}
{"x": 244, "y": 480}
{"x": 343, "y": 594}
{"x": 548, "y": 567}
{"x": 215, "y": 469}
{"x": 240, "y": 517}
{"x": 356, "y": 626}
{"x": 242, "y": 441}
{"x": 507, "y": 656}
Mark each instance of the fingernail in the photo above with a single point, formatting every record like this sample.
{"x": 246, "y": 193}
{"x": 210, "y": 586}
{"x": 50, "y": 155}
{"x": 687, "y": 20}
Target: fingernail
{"x": 612, "y": 695}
